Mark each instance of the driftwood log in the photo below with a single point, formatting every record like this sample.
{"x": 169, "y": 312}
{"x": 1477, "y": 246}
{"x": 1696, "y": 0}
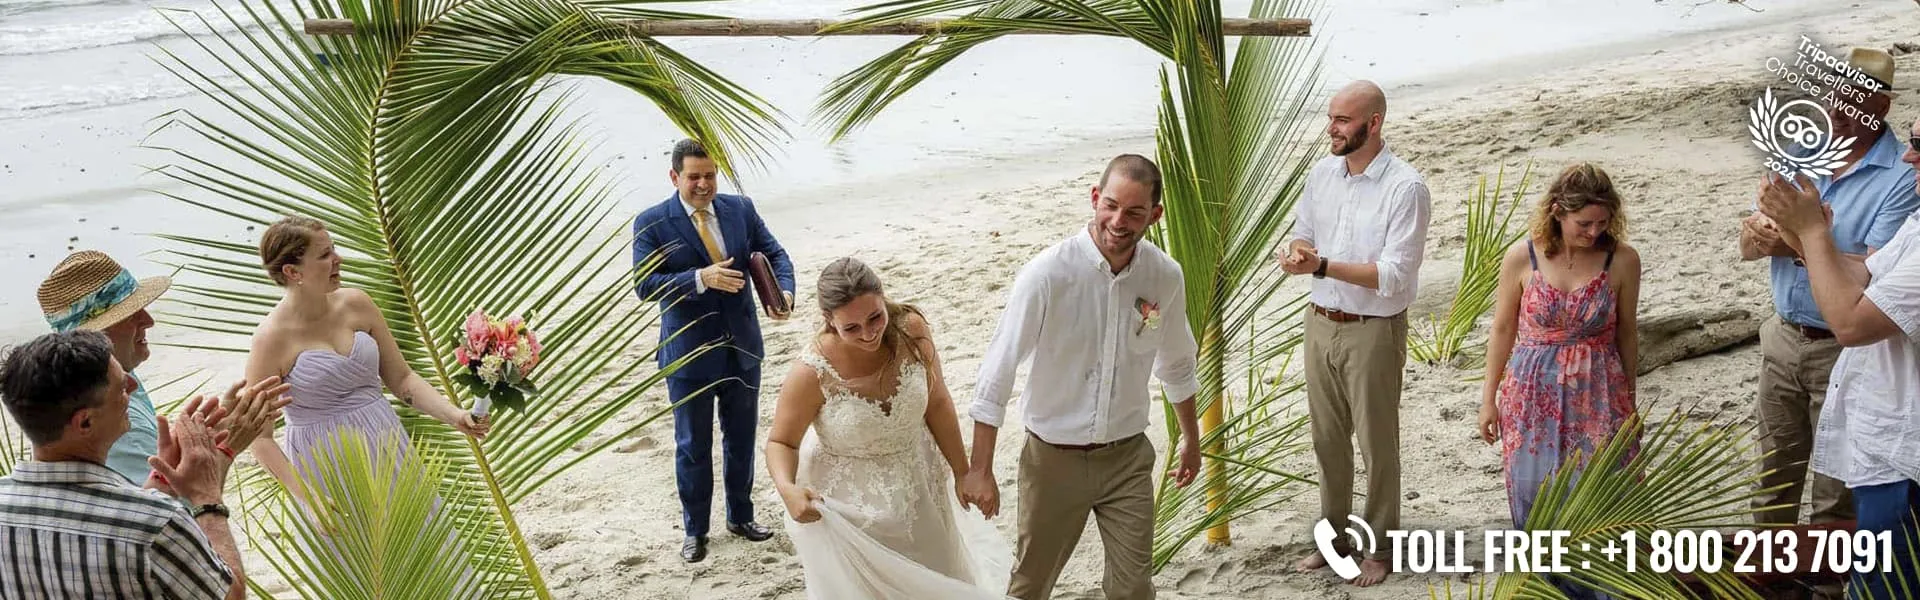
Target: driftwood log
{"x": 813, "y": 27}
{"x": 1669, "y": 338}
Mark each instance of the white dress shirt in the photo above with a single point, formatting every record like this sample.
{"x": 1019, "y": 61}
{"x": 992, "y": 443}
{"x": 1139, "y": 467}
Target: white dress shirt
{"x": 1869, "y": 432}
{"x": 1378, "y": 216}
{"x": 1092, "y": 350}
{"x": 712, "y": 226}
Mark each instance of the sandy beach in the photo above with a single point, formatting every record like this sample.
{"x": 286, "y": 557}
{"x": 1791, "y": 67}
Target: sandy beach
{"x": 1666, "y": 117}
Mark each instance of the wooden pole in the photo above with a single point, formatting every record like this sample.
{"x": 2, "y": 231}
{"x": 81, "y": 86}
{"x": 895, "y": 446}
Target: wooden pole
{"x": 813, "y": 27}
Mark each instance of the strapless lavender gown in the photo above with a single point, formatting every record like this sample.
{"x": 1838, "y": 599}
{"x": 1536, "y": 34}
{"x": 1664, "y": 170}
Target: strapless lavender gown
{"x": 333, "y": 392}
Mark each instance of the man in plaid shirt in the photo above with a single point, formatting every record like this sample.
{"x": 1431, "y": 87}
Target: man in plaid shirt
{"x": 72, "y": 528}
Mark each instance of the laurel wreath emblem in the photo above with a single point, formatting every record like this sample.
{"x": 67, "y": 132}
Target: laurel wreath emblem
{"x": 1768, "y": 116}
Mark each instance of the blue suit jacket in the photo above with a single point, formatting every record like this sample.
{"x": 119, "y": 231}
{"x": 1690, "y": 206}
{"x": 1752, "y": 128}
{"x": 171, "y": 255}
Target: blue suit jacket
{"x": 714, "y": 316}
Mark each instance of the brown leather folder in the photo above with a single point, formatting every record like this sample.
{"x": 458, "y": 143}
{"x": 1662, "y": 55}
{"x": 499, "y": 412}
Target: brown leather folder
{"x": 773, "y": 300}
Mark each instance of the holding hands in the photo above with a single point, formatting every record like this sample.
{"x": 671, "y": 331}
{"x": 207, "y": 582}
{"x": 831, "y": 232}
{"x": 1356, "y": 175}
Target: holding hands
{"x": 979, "y": 490}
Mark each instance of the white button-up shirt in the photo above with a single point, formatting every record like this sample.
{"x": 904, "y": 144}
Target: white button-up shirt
{"x": 1869, "y": 431}
{"x": 712, "y": 225}
{"x": 1378, "y": 216}
{"x": 1092, "y": 348}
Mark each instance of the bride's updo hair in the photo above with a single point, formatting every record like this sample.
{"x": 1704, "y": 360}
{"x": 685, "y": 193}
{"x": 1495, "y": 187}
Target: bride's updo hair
{"x": 846, "y": 279}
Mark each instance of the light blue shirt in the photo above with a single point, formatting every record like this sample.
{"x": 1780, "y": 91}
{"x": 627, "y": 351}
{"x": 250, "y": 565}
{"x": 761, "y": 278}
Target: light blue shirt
{"x": 1869, "y": 204}
{"x": 129, "y": 454}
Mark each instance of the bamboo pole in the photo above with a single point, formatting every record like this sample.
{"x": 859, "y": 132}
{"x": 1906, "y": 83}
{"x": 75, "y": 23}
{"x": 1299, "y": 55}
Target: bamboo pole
{"x": 813, "y": 27}
{"x": 1215, "y": 476}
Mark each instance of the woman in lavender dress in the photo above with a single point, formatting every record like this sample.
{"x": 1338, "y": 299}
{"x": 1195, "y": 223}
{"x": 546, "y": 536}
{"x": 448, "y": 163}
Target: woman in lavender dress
{"x": 333, "y": 346}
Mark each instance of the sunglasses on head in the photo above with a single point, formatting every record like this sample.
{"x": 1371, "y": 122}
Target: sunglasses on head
{"x": 1913, "y": 143}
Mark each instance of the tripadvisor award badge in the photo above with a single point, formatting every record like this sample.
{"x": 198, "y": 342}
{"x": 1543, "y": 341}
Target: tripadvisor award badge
{"x": 1841, "y": 100}
{"x": 1810, "y": 147}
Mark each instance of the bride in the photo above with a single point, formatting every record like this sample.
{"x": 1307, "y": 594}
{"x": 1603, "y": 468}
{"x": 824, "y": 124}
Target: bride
{"x": 872, "y": 512}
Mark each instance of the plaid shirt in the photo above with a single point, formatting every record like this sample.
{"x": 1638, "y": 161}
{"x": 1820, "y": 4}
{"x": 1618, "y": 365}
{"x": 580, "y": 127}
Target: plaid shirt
{"x": 79, "y": 530}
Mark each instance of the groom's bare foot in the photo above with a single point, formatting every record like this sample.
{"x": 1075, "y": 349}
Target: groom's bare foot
{"x": 1312, "y": 562}
{"x": 1372, "y": 572}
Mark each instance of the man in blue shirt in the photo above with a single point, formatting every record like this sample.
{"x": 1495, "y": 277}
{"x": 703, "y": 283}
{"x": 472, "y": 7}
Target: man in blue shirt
{"x": 90, "y": 291}
{"x": 1870, "y": 197}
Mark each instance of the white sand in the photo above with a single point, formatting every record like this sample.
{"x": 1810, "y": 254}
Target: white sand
{"x": 1667, "y": 121}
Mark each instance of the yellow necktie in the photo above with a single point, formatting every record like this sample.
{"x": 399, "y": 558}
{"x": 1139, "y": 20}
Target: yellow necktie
{"x": 700, "y": 220}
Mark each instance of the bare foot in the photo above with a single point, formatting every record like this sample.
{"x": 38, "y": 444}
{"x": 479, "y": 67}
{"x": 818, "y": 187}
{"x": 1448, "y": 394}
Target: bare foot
{"x": 1312, "y": 562}
{"x": 1372, "y": 572}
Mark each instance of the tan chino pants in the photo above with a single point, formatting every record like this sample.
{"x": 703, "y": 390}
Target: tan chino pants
{"x": 1353, "y": 390}
{"x": 1058, "y": 487}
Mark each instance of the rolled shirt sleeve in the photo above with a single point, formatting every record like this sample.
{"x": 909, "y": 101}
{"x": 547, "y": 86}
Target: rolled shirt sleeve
{"x": 1399, "y": 263}
{"x": 1303, "y": 212}
{"x": 1177, "y": 364}
{"x": 1015, "y": 338}
{"x": 1897, "y": 294}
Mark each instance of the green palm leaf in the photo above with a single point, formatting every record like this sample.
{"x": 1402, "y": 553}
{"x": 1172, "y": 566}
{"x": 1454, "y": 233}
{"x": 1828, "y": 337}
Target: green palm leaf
{"x": 1233, "y": 152}
{"x": 1682, "y": 477}
{"x": 433, "y": 146}
{"x": 1490, "y": 231}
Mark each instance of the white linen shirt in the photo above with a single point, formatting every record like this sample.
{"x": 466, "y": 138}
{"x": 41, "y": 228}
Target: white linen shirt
{"x": 1378, "y": 216}
{"x": 1091, "y": 349}
{"x": 1869, "y": 432}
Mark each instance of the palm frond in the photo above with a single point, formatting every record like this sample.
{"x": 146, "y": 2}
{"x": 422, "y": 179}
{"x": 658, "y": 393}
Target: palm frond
{"x": 433, "y": 144}
{"x": 1490, "y": 231}
{"x": 1683, "y": 477}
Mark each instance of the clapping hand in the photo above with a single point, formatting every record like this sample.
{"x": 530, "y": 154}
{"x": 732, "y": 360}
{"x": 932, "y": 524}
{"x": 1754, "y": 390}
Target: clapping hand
{"x": 1301, "y": 260}
{"x": 252, "y": 409}
{"x": 1795, "y": 206}
{"x": 195, "y": 446}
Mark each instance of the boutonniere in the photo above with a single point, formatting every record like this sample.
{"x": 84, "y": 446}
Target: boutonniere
{"x": 1149, "y": 315}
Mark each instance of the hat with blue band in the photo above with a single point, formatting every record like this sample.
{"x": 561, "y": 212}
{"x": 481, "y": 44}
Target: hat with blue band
{"x": 89, "y": 290}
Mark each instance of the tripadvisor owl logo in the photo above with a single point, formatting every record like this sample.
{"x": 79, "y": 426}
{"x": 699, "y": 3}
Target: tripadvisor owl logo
{"x": 1798, "y": 137}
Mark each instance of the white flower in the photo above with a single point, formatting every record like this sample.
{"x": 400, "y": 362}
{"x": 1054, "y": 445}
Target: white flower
{"x": 490, "y": 369}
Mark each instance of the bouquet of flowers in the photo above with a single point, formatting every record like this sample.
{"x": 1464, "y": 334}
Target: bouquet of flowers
{"x": 498, "y": 355}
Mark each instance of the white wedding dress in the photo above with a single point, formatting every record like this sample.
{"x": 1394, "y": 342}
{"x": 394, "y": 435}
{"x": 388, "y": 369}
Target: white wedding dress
{"x": 890, "y": 526}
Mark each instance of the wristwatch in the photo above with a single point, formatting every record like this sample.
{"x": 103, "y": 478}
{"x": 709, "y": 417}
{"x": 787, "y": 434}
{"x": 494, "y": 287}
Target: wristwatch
{"x": 1321, "y": 273}
{"x": 217, "y": 509}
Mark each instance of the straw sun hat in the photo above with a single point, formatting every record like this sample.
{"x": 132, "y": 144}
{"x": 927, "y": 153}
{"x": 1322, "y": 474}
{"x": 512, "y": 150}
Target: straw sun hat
{"x": 89, "y": 290}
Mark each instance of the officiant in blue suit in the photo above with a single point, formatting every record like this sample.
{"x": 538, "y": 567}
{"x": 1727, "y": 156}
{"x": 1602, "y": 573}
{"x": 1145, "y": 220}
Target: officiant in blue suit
{"x": 703, "y": 286}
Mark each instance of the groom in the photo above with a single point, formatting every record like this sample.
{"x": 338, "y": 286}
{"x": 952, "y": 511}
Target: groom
{"x": 1096, "y": 312}
{"x": 704, "y": 299}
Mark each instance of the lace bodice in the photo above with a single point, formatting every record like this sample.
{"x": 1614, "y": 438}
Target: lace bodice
{"x": 856, "y": 426}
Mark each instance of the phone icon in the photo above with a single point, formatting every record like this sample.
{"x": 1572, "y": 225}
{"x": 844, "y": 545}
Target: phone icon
{"x": 1344, "y": 566}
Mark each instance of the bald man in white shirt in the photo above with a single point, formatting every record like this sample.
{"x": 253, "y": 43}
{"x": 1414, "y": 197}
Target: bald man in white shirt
{"x": 1360, "y": 231}
{"x": 1098, "y": 313}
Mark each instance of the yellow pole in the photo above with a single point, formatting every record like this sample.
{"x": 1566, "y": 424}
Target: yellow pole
{"x": 1210, "y": 421}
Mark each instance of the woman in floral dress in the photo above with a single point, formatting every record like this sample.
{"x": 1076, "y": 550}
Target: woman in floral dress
{"x": 1563, "y": 353}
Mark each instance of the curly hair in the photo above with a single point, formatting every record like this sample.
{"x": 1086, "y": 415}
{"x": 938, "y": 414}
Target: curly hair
{"x": 1578, "y": 187}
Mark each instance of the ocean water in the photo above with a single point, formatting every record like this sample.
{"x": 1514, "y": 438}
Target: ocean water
{"x": 80, "y": 87}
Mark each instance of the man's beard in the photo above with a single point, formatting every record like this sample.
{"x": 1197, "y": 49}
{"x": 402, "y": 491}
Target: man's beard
{"x": 1355, "y": 141}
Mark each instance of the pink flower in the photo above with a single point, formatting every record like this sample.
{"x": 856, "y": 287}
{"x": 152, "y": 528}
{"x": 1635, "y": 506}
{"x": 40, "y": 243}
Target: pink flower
{"x": 460, "y": 355}
{"x": 477, "y": 331}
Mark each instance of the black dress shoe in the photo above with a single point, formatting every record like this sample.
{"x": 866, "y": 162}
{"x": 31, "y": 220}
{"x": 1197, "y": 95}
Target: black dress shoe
{"x": 750, "y": 530}
{"x": 694, "y": 549}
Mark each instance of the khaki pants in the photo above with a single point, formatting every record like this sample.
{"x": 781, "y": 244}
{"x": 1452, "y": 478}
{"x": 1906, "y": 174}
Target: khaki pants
{"x": 1353, "y": 387}
{"x": 1058, "y": 487}
{"x": 1793, "y": 385}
